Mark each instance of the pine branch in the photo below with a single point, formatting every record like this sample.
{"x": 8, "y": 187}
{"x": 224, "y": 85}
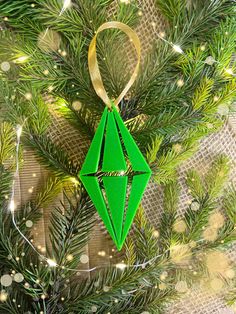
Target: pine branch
{"x": 222, "y": 45}
{"x": 17, "y": 255}
{"x": 24, "y": 106}
{"x": 70, "y": 227}
{"x": 81, "y": 118}
{"x": 202, "y": 93}
{"x": 143, "y": 238}
{"x": 214, "y": 182}
{"x": 48, "y": 193}
{"x": 11, "y": 307}
{"x": 171, "y": 8}
{"x": 171, "y": 194}
{"x": 53, "y": 157}
{"x": 69, "y": 233}
{"x": 168, "y": 159}
{"x": 119, "y": 284}
{"x": 217, "y": 176}
{"x": 5, "y": 179}
{"x": 153, "y": 149}
{"x": 167, "y": 123}
{"x": 7, "y": 144}
{"x": 191, "y": 29}
{"x": 230, "y": 204}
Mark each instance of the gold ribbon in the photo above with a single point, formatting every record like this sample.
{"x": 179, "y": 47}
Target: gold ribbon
{"x": 93, "y": 63}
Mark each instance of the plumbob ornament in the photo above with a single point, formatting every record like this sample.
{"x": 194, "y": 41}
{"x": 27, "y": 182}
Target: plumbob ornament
{"x": 115, "y": 173}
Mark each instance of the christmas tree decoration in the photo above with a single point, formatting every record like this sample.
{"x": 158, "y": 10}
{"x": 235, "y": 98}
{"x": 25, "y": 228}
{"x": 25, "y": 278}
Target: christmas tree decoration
{"x": 113, "y": 158}
{"x": 54, "y": 259}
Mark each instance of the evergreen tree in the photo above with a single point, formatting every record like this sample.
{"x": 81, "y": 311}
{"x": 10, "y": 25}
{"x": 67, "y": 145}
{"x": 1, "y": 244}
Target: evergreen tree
{"x": 183, "y": 92}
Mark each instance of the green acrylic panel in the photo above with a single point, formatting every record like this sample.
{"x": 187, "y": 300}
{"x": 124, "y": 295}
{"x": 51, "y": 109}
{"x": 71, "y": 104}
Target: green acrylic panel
{"x": 92, "y": 186}
{"x": 110, "y": 157}
{"x": 93, "y": 156}
{"x": 116, "y": 202}
{"x": 113, "y": 158}
{"x": 139, "y": 184}
{"x": 135, "y": 156}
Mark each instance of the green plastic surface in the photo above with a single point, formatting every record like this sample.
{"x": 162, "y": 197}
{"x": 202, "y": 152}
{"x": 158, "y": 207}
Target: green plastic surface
{"x": 138, "y": 186}
{"x": 137, "y": 160}
{"x": 105, "y": 159}
{"x": 113, "y": 158}
{"x": 92, "y": 186}
{"x": 116, "y": 201}
{"x": 92, "y": 158}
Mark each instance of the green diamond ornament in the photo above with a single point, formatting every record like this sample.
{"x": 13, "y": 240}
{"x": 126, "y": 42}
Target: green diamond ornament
{"x": 115, "y": 175}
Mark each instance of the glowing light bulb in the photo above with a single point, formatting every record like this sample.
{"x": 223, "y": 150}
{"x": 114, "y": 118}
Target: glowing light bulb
{"x": 28, "y": 96}
{"x": 162, "y": 34}
{"x": 22, "y": 59}
{"x": 177, "y": 48}
{"x": 3, "y": 296}
{"x": 121, "y": 266}
{"x": 66, "y": 4}
{"x": 50, "y": 88}
{"x": 51, "y": 262}
{"x": 12, "y": 206}
{"x": 18, "y": 131}
{"x": 229, "y": 71}
{"x": 180, "y": 83}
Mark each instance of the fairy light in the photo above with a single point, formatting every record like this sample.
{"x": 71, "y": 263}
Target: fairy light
{"x": 229, "y": 71}
{"x": 66, "y": 5}
{"x": 3, "y": 296}
{"x": 177, "y": 48}
{"x": 162, "y": 34}
{"x": 28, "y": 96}
{"x": 156, "y": 234}
{"x": 22, "y": 59}
{"x": 51, "y": 263}
{"x": 18, "y": 131}
{"x": 180, "y": 83}
{"x": 121, "y": 266}
{"x": 12, "y": 206}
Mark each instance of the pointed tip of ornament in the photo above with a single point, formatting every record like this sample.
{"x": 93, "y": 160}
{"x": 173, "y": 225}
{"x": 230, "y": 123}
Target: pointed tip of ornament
{"x": 119, "y": 246}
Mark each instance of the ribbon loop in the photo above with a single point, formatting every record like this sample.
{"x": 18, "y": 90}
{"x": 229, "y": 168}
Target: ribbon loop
{"x": 93, "y": 63}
